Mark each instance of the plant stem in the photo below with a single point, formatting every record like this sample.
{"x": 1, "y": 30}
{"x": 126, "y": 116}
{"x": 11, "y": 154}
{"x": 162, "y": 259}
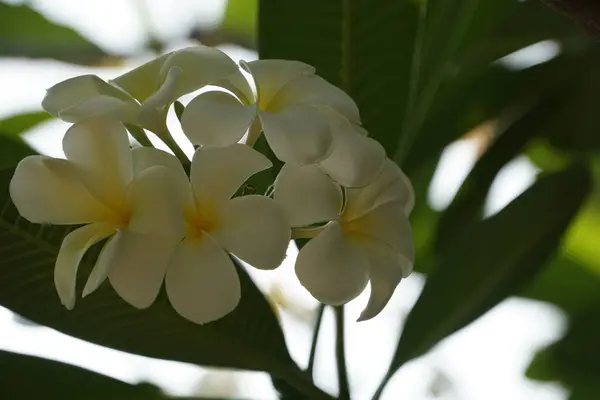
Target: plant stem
{"x": 166, "y": 137}
{"x": 315, "y": 339}
{"x": 340, "y": 354}
{"x": 139, "y": 135}
{"x": 254, "y": 132}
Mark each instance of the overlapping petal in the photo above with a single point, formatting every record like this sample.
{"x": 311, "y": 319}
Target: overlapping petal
{"x": 216, "y": 119}
{"x": 218, "y": 172}
{"x": 391, "y": 185}
{"x": 254, "y": 229}
{"x": 138, "y": 265}
{"x": 143, "y": 81}
{"x": 202, "y": 282}
{"x": 155, "y": 210}
{"x": 331, "y": 268}
{"x": 386, "y": 270}
{"x": 48, "y": 190}
{"x": 72, "y": 250}
{"x": 316, "y": 91}
{"x": 298, "y": 134}
{"x": 271, "y": 75}
{"x": 356, "y": 160}
{"x": 307, "y": 195}
{"x": 87, "y": 96}
{"x": 99, "y": 148}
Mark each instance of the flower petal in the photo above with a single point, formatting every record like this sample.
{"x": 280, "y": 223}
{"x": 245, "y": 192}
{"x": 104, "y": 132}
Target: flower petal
{"x": 72, "y": 249}
{"x": 307, "y": 195}
{"x": 202, "y": 282}
{"x": 386, "y": 270}
{"x": 138, "y": 265}
{"x": 147, "y": 157}
{"x": 77, "y": 90}
{"x": 200, "y": 66}
{"x": 101, "y": 268}
{"x": 99, "y": 147}
{"x": 218, "y": 172}
{"x": 391, "y": 185}
{"x": 271, "y": 75}
{"x": 154, "y": 208}
{"x": 298, "y": 134}
{"x": 100, "y": 106}
{"x": 142, "y": 81}
{"x": 255, "y": 229}
{"x": 389, "y": 224}
{"x": 48, "y": 190}
{"x": 333, "y": 269}
{"x": 316, "y": 91}
{"x": 216, "y": 119}
{"x": 356, "y": 160}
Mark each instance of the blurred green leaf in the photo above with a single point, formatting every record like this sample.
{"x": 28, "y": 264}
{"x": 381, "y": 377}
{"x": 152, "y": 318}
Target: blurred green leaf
{"x": 363, "y": 47}
{"x": 491, "y": 261}
{"x": 18, "y": 124}
{"x": 26, "y": 33}
{"x": 28, "y": 377}
{"x": 12, "y": 147}
{"x": 248, "y": 338}
{"x": 240, "y": 18}
{"x": 575, "y": 359}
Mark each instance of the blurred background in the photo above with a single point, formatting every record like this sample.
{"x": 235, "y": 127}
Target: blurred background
{"x": 540, "y": 345}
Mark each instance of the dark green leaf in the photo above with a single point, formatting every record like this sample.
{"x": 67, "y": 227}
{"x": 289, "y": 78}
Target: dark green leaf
{"x": 248, "y": 338}
{"x": 362, "y": 46}
{"x": 18, "y": 124}
{"x": 27, "y": 377}
{"x": 26, "y": 33}
{"x": 492, "y": 260}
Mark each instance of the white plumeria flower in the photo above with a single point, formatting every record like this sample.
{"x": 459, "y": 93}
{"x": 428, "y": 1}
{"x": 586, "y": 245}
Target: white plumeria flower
{"x": 284, "y": 98}
{"x": 98, "y": 185}
{"x": 142, "y": 96}
{"x": 368, "y": 240}
{"x": 201, "y": 281}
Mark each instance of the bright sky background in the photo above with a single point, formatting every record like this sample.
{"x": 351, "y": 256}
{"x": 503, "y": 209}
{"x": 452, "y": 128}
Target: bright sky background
{"x": 484, "y": 361}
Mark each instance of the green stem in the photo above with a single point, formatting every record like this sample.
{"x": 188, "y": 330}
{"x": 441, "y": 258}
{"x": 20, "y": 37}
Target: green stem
{"x": 315, "y": 339}
{"x": 381, "y": 386}
{"x": 139, "y": 135}
{"x": 300, "y": 381}
{"x": 166, "y": 137}
{"x": 340, "y": 354}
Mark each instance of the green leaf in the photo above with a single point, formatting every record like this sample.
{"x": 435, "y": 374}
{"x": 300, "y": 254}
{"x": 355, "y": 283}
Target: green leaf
{"x": 575, "y": 359}
{"x": 240, "y": 18}
{"x": 361, "y": 46}
{"x": 28, "y": 377}
{"x": 18, "y": 124}
{"x": 492, "y": 260}
{"x": 248, "y": 338}
{"x": 12, "y": 147}
{"x": 26, "y": 33}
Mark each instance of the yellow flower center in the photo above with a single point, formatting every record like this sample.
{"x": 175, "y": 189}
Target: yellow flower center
{"x": 203, "y": 221}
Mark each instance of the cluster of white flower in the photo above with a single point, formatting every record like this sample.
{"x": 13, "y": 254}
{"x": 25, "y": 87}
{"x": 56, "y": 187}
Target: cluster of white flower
{"x": 336, "y": 186}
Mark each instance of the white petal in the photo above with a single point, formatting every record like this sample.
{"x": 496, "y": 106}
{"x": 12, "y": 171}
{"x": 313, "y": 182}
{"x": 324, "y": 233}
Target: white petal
{"x": 391, "y": 185}
{"x": 386, "y": 270}
{"x": 216, "y": 119}
{"x": 331, "y": 268}
{"x": 389, "y": 224}
{"x": 80, "y": 89}
{"x": 72, "y": 250}
{"x": 217, "y": 172}
{"x": 153, "y": 111}
{"x": 101, "y": 268}
{"x": 307, "y": 195}
{"x": 48, "y": 190}
{"x": 155, "y": 210}
{"x": 271, "y": 75}
{"x": 316, "y": 91}
{"x": 356, "y": 160}
{"x": 147, "y": 157}
{"x": 99, "y": 147}
{"x": 200, "y": 66}
{"x": 142, "y": 81}
{"x": 100, "y": 106}
{"x": 202, "y": 282}
{"x": 298, "y": 134}
{"x": 255, "y": 229}
{"x": 138, "y": 265}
